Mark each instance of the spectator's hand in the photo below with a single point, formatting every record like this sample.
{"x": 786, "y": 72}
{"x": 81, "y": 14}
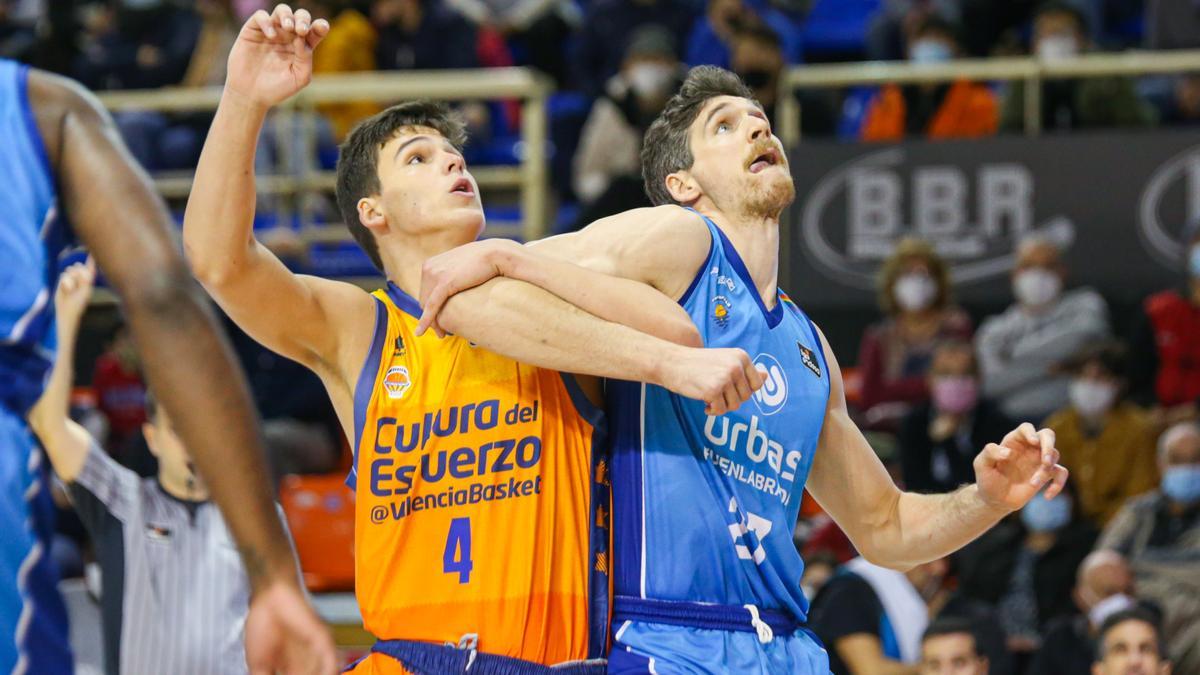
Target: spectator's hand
{"x": 723, "y": 378}
{"x": 457, "y": 270}
{"x": 149, "y": 56}
{"x": 1010, "y": 474}
{"x": 272, "y": 58}
{"x": 942, "y": 427}
{"x": 284, "y": 634}
{"x": 74, "y": 290}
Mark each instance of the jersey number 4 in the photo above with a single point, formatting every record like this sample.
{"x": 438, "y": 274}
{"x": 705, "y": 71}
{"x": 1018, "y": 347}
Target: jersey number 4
{"x": 457, "y": 556}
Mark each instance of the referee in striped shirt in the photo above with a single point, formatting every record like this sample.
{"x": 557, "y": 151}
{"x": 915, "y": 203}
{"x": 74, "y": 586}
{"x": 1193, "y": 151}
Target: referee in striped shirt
{"x": 174, "y": 594}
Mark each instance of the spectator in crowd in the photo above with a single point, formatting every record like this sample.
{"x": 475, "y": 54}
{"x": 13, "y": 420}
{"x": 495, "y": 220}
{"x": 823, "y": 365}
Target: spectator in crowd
{"x": 914, "y": 294}
{"x": 1020, "y": 348}
{"x": 1159, "y": 533}
{"x": 540, "y": 27}
{"x": 1172, "y": 24}
{"x": 712, "y": 39}
{"x": 1060, "y": 32}
{"x": 891, "y": 29}
{"x": 950, "y": 647}
{"x": 608, "y": 27}
{"x": 350, "y": 47}
{"x": 939, "y": 439}
{"x": 422, "y": 35}
{"x": 1103, "y": 587}
{"x": 1166, "y": 345}
{"x": 962, "y": 109}
{"x": 1132, "y": 642}
{"x": 1025, "y": 567}
{"x": 1106, "y": 441}
{"x": 144, "y": 45}
{"x": 757, "y": 58}
{"x": 18, "y": 29}
{"x": 1183, "y": 106}
{"x": 871, "y": 619}
{"x": 611, "y": 144}
{"x": 120, "y": 391}
{"x": 174, "y": 593}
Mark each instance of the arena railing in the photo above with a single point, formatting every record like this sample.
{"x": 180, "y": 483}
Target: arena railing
{"x": 529, "y": 177}
{"x": 1032, "y": 71}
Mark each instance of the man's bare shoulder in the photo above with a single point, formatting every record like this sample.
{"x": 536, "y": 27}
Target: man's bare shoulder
{"x": 54, "y": 98}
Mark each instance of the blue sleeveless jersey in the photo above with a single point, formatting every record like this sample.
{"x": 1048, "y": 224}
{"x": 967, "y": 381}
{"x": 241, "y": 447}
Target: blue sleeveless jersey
{"x": 704, "y": 507}
{"x": 31, "y": 238}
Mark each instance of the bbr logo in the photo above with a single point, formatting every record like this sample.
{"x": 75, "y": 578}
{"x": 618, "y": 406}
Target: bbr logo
{"x": 773, "y": 395}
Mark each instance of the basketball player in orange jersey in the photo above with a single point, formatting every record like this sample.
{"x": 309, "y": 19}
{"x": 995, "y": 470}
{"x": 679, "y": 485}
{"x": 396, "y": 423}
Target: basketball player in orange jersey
{"x": 478, "y": 491}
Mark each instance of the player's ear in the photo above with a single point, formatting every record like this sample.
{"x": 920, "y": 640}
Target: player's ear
{"x": 151, "y": 436}
{"x": 683, "y": 187}
{"x": 370, "y": 214}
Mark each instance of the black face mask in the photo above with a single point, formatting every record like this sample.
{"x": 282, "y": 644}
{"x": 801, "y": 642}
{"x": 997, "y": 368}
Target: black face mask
{"x": 756, "y": 79}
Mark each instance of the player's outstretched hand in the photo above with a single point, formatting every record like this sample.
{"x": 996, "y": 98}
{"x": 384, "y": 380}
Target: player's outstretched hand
{"x": 1011, "y": 473}
{"x": 284, "y": 634}
{"x": 723, "y": 378}
{"x": 272, "y": 57}
{"x": 457, "y": 270}
{"x": 73, "y": 292}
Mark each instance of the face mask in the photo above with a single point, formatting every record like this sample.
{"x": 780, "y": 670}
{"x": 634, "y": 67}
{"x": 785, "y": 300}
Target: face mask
{"x": 1057, "y": 48}
{"x": 650, "y": 79}
{"x": 756, "y": 79}
{"x": 955, "y": 395}
{"x": 930, "y": 51}
{"x": 1109, "y": 606}
{"x": 1036, "y": 287}
{"x": 1091, "y": 398}
{"x": 1194, "y": 262}
{"x": 914, "y": 292}
{"x": 1043, "y": 515}
{"x": 1182, "y": 483}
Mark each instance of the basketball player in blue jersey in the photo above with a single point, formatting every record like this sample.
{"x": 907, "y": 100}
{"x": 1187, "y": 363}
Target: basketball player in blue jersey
{"x": 707, "y": 579}
{"x": 61, "y": 161}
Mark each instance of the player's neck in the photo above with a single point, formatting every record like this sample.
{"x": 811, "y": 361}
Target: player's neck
{"x": 402, "y": 263}
{"x": 756, "y": 239}
{"x": 182, "y": 489}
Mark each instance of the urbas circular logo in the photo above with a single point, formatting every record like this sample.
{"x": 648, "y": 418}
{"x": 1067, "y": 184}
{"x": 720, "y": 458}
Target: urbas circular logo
{"x": 771, "y": 398}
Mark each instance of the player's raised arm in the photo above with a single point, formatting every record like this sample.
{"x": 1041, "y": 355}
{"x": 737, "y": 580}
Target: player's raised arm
{"x": 66, "y": 443}
{"x": 289, "y": 313}
{"x": 899, "y": 529}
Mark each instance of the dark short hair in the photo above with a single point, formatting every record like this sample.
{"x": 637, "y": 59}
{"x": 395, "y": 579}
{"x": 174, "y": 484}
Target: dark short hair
{"x": 935, "y": 23}
{"x": 358, "y": 156}
{"x": 759, "y": 32}
{"x": 1135, "y": 613}
{"x": 666, "y": 148}
{"x": 151, "y": 406}
{"x": 953, "y": 625}
{"x": 1059, "y": 7}
{"x": 1112, "y": 355}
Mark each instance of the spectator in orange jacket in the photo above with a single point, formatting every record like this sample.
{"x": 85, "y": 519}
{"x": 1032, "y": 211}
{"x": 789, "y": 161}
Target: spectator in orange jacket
{"x": 960, "y": 110}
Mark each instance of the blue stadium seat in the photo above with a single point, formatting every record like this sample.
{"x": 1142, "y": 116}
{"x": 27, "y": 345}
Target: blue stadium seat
{"x": 837, "y": 27}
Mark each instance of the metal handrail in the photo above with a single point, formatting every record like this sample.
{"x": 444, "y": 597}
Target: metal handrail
{"x": 528, "y": 86}
{"x": 1031, "y": 70}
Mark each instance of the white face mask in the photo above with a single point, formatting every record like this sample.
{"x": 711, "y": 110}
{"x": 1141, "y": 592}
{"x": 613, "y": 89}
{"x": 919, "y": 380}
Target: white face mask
{"x": 1057, "y": 47}
{"x": 650, "y": 79}
{"x": 914, "y": 292}
{"x": 1091, "y": 398}
{"x": 1036, "y": 287}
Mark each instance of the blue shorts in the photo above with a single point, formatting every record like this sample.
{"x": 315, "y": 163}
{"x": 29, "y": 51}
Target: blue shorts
{"x": 33, "y": 618}
{"x": 640, "y": 647}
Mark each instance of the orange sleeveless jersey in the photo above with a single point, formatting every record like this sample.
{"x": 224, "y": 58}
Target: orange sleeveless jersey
{"x": 479, "y": 499}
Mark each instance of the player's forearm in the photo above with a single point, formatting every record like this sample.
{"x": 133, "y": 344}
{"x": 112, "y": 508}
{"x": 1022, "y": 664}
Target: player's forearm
{"x": 191, "y": 370}
{"x": 927, "y": 527}
{"x": 218, "y": 222}
{"x": 611, "y": 298}
{"x": 531, "y": 325}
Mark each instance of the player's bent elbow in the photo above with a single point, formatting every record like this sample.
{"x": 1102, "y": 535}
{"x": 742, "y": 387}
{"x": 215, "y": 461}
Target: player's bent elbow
{"x": 686, "y": 334}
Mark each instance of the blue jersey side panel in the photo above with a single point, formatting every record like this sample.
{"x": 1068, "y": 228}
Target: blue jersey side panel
{"x": 31, "y": 238}
{"x": 704, "y": 507}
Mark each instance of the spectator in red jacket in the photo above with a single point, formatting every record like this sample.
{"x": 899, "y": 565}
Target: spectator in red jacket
{"x": 120, "y": 391}
{"x": 1166, "y": 348}
{"x": 894, "y": 358}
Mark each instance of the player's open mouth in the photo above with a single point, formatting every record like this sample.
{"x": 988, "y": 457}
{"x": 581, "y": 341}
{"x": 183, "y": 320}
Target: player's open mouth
{"x": 462, "y": 186}
{"x": 766, "y": 159}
